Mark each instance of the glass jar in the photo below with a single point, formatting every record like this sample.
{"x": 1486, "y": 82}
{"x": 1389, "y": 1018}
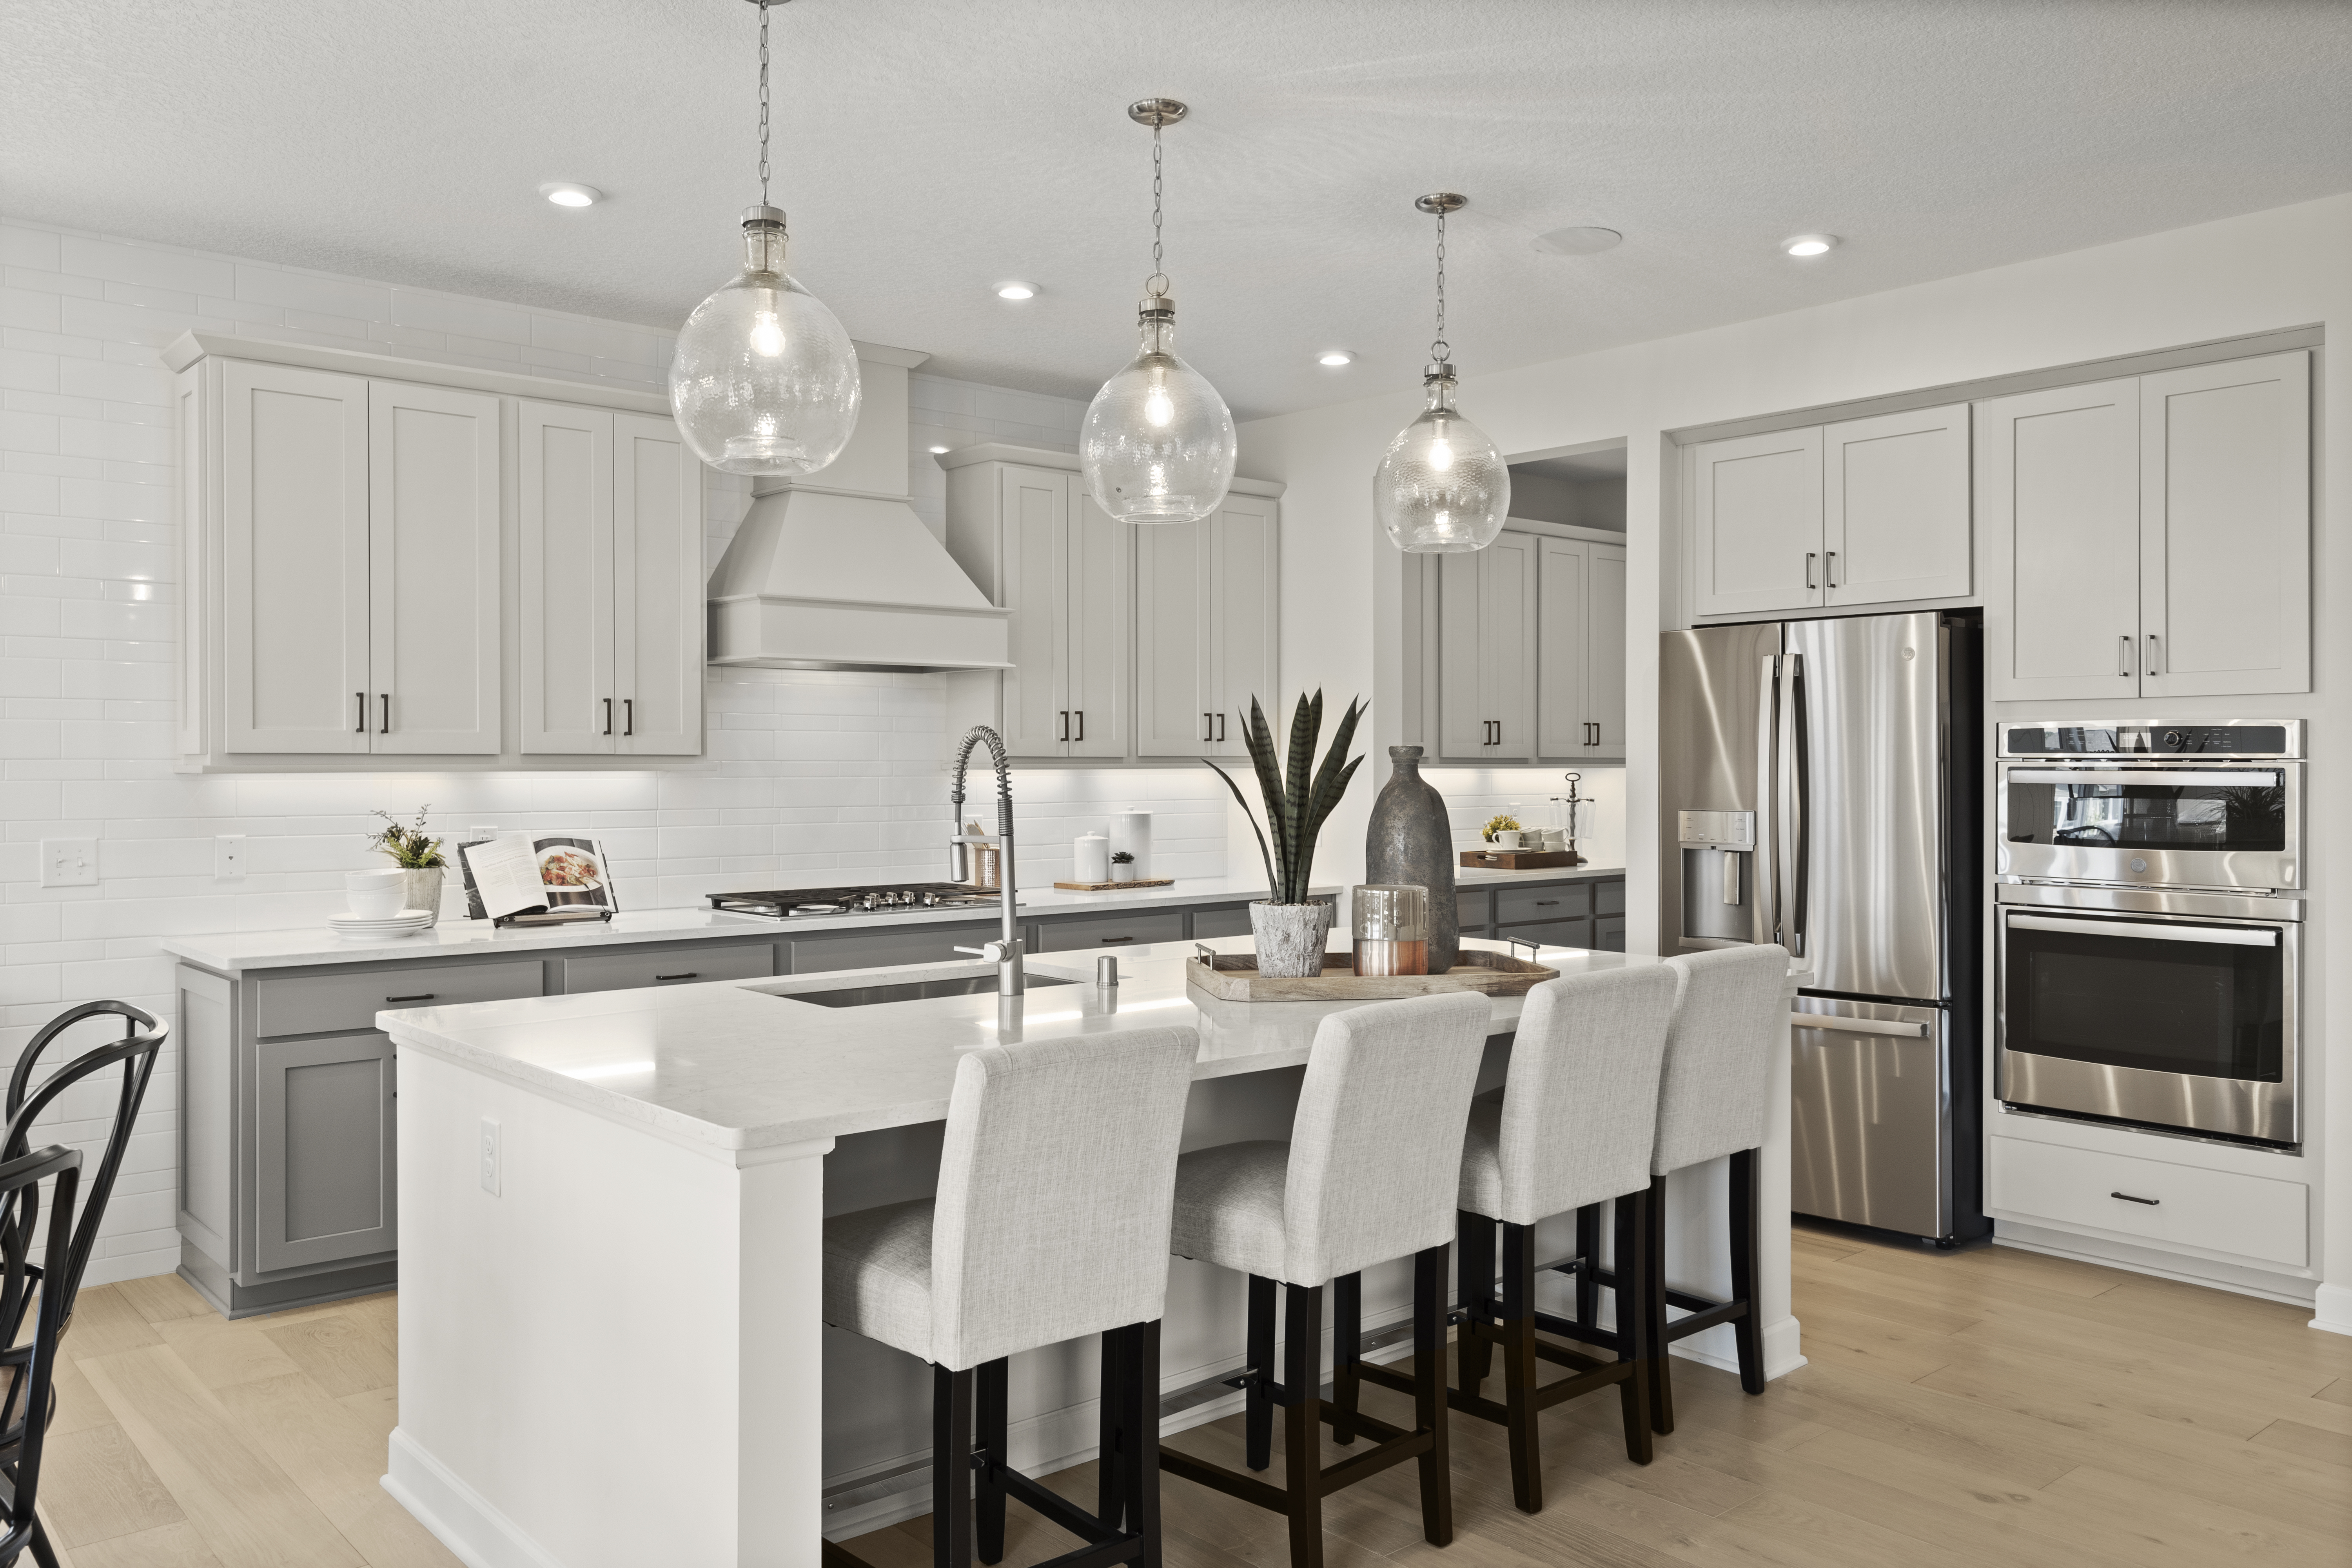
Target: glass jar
{"x": 1390, "y": 929}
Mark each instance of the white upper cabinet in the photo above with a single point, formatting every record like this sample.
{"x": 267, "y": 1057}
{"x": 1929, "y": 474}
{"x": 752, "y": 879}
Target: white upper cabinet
{"x": 1756, "y": 543}
{"x": 1101, "y": 578}
{"x": 1563, "y": 649}
{"x": 433, "y": 569}
{"x": 1176, "y": 695}
{"x": 346, "y": 544}
{"x": 2225, "y": 527}
{"x": 1894, "y": 507}
{"x": 1530, "y": 648}
{"x": 1486, "y": 649}
{"x": 1237, "y": 633}
{"x": 2150, "y": 536}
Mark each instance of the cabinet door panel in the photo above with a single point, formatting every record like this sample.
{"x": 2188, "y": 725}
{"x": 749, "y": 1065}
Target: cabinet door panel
{"x": 1242, "y": 565}
{"x": 2225, "y": 527}
{"x": 1463, "y": 729}
{"x": 1174, "y": 695}
{"x": 1036, "y": 528}
{"x": 2057, "y": 494}
{"x": 323, "y": 1147}
{"x": 1100, "y": 572}
{"x": 1757, "y": 509}
{"x": 1507, "y": 638}
{"x": 433, "y": 580}
{"x": 1563, "y": 685}
{"x": 294, "y": 590}
{"x": 1896, "y": 507}
{"x": 658, "y": 599}
{"x": 1604, "y": 667}
{"x": 567, "y": 632}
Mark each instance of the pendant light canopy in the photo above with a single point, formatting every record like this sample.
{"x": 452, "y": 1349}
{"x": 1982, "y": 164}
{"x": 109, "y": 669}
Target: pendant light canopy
{"x": 1441, "y": 488}
{"x": 1157, "y": 444}
{"x": 764, "y": 380}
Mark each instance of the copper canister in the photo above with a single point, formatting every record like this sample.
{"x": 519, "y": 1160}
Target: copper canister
{"x": 1392, "y": 929}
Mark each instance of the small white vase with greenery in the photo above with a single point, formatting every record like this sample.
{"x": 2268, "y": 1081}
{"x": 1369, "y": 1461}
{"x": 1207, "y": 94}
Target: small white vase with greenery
{"x": 1289, "y": 928}
{"x": 418, "y": 855}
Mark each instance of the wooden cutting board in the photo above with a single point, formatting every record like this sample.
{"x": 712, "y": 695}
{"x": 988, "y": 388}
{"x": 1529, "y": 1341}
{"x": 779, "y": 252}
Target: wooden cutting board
{"x": 1114, "y": 887}
{"x": 1234, "y": 977}
{"x": 1520, "y": 859}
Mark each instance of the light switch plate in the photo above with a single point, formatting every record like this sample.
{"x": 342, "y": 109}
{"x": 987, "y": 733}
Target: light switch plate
{"x": 68, "y": 862}
{"x": 229, "y": 856}
{"x": 491, "y": 1156}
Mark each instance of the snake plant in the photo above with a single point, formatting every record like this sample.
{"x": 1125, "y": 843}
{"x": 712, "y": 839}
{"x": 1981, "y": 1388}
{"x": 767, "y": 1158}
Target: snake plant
{"x": 1296, "y": 807}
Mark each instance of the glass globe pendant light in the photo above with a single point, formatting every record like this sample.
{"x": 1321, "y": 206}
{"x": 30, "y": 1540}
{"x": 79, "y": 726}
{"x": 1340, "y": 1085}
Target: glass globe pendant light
{"x": 764, "y": 380}
{"x": 1157, "y": 444}
{"x": 1441, "y": 488}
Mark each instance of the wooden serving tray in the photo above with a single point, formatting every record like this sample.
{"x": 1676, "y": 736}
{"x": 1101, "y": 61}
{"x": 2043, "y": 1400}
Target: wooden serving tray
{"x": 1520, "y": 859}
{"x": 1234, "y": 977}
{"x": 1114, "y": 887}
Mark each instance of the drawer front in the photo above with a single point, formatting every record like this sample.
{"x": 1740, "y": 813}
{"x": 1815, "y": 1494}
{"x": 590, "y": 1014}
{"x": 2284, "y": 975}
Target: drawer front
{"x": 1473, "y": 913}
{"x": 2218, "y": 1211}
{"x": 1608, "y": 897}
{"x": 1232, "y": 920}
{"x": 682, "y": 965}
{"x": 1552, "y": 933}
{"x": 316, "y": 1004}
{"x": 925, "y": 944}
{"x": 1609, "y": 932}
{"x": 1551, "y": 902}
{"x": 1131, "y": 930}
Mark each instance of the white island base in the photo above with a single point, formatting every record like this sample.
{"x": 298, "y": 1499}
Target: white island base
{"x": 611, "y": 1353}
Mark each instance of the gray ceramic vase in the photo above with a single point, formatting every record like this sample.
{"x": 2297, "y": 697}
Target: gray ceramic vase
{"x": 1410, "y": 842}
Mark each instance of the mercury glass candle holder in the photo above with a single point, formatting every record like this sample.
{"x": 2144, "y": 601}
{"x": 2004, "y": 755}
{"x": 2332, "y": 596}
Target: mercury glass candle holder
{"x": 1390, "y": 928}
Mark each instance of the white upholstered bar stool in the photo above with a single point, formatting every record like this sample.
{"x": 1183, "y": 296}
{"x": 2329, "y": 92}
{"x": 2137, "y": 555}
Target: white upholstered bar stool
{"x": 1050, "y": 1223}
{"x": 1713, "y": 1098}
{"x": 1368, "y": 1174}
{"x": 1571, "y": 1129}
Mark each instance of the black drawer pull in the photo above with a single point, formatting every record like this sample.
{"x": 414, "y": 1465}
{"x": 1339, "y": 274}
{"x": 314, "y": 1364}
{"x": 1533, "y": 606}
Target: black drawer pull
{"x": 1108, "y": 940}
{"x": 1546, "y": 904}
{"x": 2129, "y": 1199}
{"x": 420, "y": 996}
{"x": 687, "y": 975}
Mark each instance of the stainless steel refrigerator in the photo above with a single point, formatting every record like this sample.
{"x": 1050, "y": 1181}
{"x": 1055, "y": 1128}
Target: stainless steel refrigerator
{"x": 1821, "y": 788}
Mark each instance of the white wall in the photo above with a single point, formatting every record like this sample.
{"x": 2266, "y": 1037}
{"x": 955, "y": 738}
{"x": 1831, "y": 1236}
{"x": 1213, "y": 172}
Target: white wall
{"x": 810, "y": 777}
{"x": 2291, "y": 267}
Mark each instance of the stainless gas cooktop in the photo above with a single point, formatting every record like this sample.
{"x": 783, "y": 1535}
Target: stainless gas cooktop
{"x": 906, "y": 898}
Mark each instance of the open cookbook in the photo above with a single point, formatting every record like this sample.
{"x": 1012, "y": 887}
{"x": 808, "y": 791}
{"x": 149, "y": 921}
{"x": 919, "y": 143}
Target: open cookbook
{"x": 518, "y": 879}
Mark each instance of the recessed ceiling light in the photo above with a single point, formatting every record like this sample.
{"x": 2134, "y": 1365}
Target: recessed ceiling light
{"x": 1016, "y": 290}
{"x": 936, "y": 451}
{"x": 1335, "y": 358}
{"x": 1809, "y": 244}
{"x": 1584, "y": 241}
{"x": 564, "y": 194}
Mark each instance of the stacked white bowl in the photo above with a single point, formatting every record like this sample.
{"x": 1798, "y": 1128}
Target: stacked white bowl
{"x": 376, "y": 913}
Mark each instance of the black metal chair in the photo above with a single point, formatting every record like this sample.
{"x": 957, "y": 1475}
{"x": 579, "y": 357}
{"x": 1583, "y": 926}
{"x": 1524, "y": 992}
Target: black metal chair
{"x": 31, "y": 1366}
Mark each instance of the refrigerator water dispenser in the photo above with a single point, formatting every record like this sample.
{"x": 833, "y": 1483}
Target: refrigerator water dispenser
{"x": 1718, "y": 855}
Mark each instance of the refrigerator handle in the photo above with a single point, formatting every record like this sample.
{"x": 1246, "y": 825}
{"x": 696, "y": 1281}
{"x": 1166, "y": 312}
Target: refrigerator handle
{"x": 1796, "y": 800}
{"x": 1766, "y": 882}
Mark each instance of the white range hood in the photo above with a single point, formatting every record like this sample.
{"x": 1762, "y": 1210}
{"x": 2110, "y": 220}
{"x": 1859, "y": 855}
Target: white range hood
{"x": 838, "y": 572}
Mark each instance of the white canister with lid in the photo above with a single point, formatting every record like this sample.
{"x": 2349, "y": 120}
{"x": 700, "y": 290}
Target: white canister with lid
{"x": 1091, "y": 857}
{"x": 1132, "y": 831}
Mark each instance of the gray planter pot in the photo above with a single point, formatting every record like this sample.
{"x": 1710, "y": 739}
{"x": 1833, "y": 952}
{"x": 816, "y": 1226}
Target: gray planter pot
{"x": 423, "y": 891}
{"x": 1409, "y": 843}
{"x": 1289, "y": 937}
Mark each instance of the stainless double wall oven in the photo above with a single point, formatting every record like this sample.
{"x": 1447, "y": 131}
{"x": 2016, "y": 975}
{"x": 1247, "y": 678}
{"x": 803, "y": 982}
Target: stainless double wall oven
{"x": 2149, "y": 924}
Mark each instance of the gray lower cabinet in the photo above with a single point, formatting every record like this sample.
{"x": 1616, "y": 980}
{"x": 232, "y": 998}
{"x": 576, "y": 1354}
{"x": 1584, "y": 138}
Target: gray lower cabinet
{"x": 1138, "y": 929}
{"x": 871, "y": 949}
{"x": 324, "y": 1187}
{"x": 1586, "y": 912}
{"x": 685, "y": 965}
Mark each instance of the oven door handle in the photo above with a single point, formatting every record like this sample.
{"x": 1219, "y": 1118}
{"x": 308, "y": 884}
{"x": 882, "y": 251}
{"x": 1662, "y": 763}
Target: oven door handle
{"x": 2189, "y": 778}
{"x": 2228, "y": 936}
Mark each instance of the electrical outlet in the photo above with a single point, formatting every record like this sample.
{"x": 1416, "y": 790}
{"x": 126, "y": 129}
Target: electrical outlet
{"x": 68, "y": 862}
{"x": 491, "y": 1156}
{"x": 229, "y": 856}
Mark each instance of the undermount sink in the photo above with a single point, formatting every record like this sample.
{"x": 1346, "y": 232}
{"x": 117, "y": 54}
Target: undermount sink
{"x": 910, "y": 990}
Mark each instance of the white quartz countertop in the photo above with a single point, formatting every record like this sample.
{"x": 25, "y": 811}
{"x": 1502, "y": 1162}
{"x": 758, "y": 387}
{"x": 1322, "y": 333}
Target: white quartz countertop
{"x": 739, "y": 1065}
{"x": 233, "y": 953}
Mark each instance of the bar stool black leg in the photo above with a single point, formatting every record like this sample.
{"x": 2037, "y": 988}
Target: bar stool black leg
{"x": 1140, "y": 1439}
{"x": 1588, "y": 1252}
{"x": 1302, "y": 1421}
{"x": 1635, "y": 1342}
{"x": 1258, "y": 1417}
{"x": 1654, "y": 1302}
{"x": 1746, "y": 1242}
{"x": 952, "y": 1412}
{"x": 1429, "y": 1393}
{"x": 1111, "y": 1484}
{"x": 1474, "y": 1288}
{"x": 1519, "y": 1366}
{"x": 1347, "y": 1354}
{"x": 989, "y": 1404}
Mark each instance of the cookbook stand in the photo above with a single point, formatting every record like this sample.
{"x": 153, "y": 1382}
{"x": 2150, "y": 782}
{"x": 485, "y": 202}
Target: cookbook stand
{"x": 542, "y": 918}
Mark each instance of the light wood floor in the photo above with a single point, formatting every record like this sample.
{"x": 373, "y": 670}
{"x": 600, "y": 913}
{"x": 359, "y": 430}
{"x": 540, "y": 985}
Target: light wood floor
{"x": 1992, "y": 1407}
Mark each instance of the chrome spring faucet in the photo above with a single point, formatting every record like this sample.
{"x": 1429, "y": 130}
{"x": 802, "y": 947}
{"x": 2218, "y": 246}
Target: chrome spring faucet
{"x": 1005, "y": 951}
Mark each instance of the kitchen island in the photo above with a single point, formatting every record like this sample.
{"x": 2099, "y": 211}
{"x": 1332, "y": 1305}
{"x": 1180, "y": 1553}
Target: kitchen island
{"x": 611, "y": 1350}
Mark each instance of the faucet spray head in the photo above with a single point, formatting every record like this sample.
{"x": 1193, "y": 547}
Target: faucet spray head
{"x": 959, "y": 861}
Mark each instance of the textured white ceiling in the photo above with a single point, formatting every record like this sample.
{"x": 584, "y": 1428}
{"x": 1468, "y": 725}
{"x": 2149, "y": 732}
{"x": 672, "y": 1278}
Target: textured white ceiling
{"x": 929, "y": 149}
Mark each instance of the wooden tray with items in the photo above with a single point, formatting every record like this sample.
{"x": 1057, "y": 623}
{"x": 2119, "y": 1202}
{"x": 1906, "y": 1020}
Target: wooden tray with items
{"x": 1520, "y": 859}
{"x": 1114, "y": 887}
{"x": 1234, "y": 977}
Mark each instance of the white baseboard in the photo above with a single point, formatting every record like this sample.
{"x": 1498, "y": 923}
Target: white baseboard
{"x": 2211, "y": 1273}
{"x": 2333, "y": 1310}
{"x": 460, "y": 1518}
{"x": 131, "y": 1266}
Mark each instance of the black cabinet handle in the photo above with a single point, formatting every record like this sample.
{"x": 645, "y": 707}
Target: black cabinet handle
{"x": 384, "y": 728}
{"x": 608, "y": 715}
{"x": 1546, "y": 904}
{"x": 420, "y": 996}
{"x": 687, "y": 975}
{"x": 1829, "y": 568}
{"x": 1109, "y": 941}
{"x": 1221, "y": 728}
{"x": 361, "y": 727}
{"x": 1208, "y": 727}
{"x": 1065, "y": 725}
{"x": 628, "y": 715}
{"x": 2129, "y": 1199}
{"x": 1082, "y": 723}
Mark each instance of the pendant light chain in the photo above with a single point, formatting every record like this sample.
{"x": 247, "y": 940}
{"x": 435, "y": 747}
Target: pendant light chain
{"x": 763, "y": 103}
{"x": 1439, "y": 348}
{"x": 1156, "y": 272}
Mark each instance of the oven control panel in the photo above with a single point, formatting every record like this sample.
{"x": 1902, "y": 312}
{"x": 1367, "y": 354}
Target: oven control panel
{"x": 2248, "y": 738}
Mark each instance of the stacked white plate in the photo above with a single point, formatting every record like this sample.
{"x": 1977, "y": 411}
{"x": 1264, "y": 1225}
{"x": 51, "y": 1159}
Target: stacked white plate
{"x": 357, "y": 928}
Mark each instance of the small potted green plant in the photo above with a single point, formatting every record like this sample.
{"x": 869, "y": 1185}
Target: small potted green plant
{"x": 1122, "y": 865}
{"x": 1289, "y": 927}
{"x": 417, "y": 854}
